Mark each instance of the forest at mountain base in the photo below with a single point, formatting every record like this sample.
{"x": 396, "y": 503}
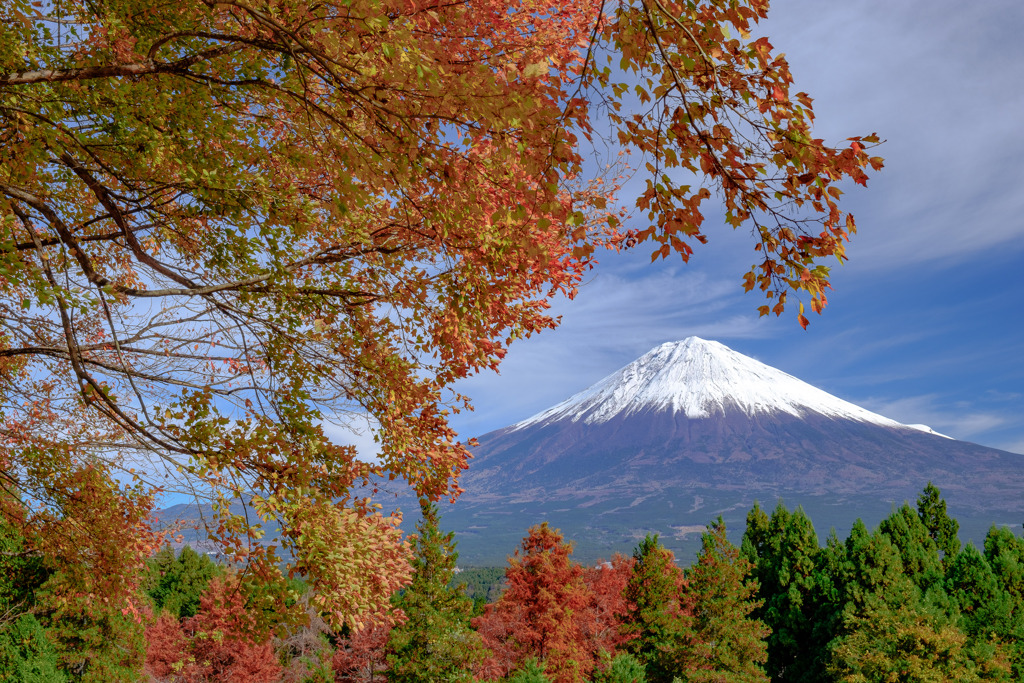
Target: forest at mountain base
{"x": 902, "y": 602}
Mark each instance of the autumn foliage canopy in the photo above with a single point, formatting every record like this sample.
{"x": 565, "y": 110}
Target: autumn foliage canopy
{"x": 226, "y": 224}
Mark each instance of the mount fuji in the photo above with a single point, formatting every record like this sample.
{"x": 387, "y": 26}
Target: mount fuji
{"x": 693, "y": 429}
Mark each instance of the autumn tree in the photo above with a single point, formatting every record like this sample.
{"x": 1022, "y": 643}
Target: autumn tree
{"x": 224, "y": 225}
{"x": 219, "y": 643}
{"x": 435, "y": 642}
{"x": 607, "y": 582}
{"x": 542, "y": 614}
{"x": 360, "y": 655}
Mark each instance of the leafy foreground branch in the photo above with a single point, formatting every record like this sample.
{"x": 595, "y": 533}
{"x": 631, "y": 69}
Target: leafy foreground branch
{"x": 226, "y": 225}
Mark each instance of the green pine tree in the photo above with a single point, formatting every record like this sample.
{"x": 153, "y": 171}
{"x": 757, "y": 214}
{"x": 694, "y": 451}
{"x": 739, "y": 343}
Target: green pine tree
{"x": 887, "y": 631}
{"x": 1005, "y": 554}
{"x": 942, "y": 528}
{"x": 177, "y": 582}
{"x": 988, "y": 613}
{"x": 726, "y": 644}
{"x": 26, "y": 654}
{"x": 436, "y": 643}
{"x": 654, "y": 618}
{"x": 623, "y": 668}
{"x": 531, "y": 671}
{"x": 920, "y": 556}
{"x": 785, "y": 549}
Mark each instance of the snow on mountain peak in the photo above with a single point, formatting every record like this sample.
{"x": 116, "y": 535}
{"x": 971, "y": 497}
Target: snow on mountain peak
{"x": 700, "y": 378}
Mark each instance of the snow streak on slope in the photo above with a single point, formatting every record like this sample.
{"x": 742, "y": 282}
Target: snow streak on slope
{"x": 701, "y": 378}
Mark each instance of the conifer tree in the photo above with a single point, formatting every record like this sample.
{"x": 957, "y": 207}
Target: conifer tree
{"x": 95, "y": 642}
{"x": 654, "y": 619}
{"x": 1005, "y": 553}
{"x": 435, "y": 643}
{"x": 916, "y": 543}
{"x": 900, "y": 643}
{"x": 985, "y": 606}
{"x": 727, "y": 643}
{"x": 785, "y": 548}
{"x": 942, "y": 528}
{"x": 26, "y": 654}
{"x": 177, "y": 583}
{"x": 543, "y": 614}
{"x": 988, "y": 614}
{"x": 886, "y": 631}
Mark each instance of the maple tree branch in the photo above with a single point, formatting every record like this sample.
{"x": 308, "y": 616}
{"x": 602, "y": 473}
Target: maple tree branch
{"x": 65, "y": 233}
{"x": 143, "y": 68}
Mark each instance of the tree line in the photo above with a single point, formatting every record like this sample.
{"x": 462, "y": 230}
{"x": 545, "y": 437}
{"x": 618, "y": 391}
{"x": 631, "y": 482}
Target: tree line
{"x": 904, "y": 602}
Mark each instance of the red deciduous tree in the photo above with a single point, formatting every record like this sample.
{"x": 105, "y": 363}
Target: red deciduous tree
{"x": 219, "y": 644}
{"x": 548, "y": 612}
{"x": 361, "y": 657}
{"x": 607, "y": 582}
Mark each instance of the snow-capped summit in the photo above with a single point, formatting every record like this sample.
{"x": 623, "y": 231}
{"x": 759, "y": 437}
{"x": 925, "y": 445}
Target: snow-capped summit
{"x": 700, "y": 379}
{"x": 691, "y": 430}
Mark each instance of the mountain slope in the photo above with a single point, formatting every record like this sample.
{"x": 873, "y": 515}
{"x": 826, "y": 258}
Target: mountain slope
{"x": 652, "y": 445}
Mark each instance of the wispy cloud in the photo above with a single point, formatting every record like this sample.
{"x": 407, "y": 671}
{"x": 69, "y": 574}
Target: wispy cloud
{"x": 935, "y": 83}
{"x": 959, "y": 421}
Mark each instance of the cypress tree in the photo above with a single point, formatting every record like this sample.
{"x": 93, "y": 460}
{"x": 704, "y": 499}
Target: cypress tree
{"x": 177, "y": 583}
{"x": 436, "y": 642}
{"x": 727, "y": 644}
{"x": 919, "y": 554}
{"x": 786, "y": 554}
{"x": 654, "y": 619}
{"x": 942, "y": 528}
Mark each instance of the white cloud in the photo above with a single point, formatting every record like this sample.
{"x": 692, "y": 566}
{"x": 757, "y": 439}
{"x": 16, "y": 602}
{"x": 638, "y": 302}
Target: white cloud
{"x": 355, "y": 431}
{"x": 958, "y": 420}
{"x": 935, "y": 82}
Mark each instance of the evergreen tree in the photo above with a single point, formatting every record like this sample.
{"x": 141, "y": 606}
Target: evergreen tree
{"x": 785, "y": 548}
{"x": 436, "y": 642}
{"x": 942, "y": 528}
{"x": 825, "y": 604}
{"x": 654, "y": 619}
{"x": 987, "y": 612}
{"x": 919, "y": 554}
{"x": 531, "y": 672}
{"x": 623, "y": 668}
{"x": 886, "y": 630}
{"x": 21, "y": 570}
{"x": 727, "y": 644}
{"x": 887, "y": 642}
{"x": 26, "y": 654}
{"x": 95, "y": 642}
{"x": 872, "y": 572}
{"x": 177, "y": 583}
{"x": 1005, "y": 554}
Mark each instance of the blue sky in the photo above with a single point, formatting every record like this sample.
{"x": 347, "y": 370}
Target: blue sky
{"x": 926, "y": 320}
